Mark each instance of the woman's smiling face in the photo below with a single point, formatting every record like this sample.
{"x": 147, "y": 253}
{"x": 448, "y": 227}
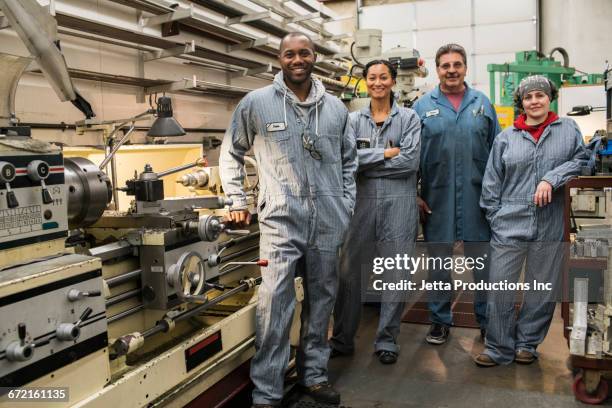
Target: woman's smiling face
{"x": 379, "y": 81}
{"x": 536, "y": 104}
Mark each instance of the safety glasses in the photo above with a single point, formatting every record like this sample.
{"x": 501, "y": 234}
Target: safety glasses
{"x": 310, "y": 145}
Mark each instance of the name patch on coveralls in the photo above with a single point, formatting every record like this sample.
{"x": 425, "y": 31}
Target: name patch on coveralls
{"x": 432, "y": 113}
{"x": 275, "y": 126}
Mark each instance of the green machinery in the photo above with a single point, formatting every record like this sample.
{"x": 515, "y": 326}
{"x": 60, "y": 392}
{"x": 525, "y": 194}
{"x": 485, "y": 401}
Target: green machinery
{"x": 531, "y": 63}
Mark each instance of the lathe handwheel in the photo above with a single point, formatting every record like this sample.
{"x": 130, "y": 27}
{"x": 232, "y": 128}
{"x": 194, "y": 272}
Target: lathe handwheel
{"x": 186, "y": 280}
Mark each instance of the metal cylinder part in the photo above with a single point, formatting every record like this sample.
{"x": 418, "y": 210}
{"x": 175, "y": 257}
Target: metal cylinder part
{"x": 89, "y": 191}
{"x": 19, "y": 351}
{"x": 209, "y": 227}
{"x": 126, "y": 277}
{"x": 196, "y": 179}
{"x": 67, "y": 332}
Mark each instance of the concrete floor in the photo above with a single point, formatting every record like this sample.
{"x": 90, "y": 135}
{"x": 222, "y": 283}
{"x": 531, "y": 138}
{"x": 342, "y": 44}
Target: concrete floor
{"x": 445, "y": 376}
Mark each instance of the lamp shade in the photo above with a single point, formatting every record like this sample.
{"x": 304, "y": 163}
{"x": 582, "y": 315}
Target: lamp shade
{"x": 165, "y": 124}
{"x": 582, "y": 110}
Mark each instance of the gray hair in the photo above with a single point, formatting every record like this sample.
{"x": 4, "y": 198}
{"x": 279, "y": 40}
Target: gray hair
{"x": 449, "y": 48}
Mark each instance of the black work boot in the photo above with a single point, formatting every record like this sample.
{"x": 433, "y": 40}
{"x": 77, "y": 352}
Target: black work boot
{"x": 322, "y": 392}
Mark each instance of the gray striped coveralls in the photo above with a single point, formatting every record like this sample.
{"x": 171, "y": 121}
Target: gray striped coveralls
{"x": 304, "y": 210}
{"x": 385, "y": 223}
{"x": 524, "y": 233}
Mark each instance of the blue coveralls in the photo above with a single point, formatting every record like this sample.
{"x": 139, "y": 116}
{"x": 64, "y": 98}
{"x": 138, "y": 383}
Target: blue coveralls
{"x": 455, "y": 146}
{"x": 304, "y": 210}
{"x": 384, "y": 224}
{"x": 522, "y": 232}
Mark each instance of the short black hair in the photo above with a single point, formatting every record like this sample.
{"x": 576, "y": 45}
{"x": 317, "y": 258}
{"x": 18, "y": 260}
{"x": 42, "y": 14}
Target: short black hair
{"x": 392, "y": 68}
{"x": 294, "y": 34}
{"x": 450, "y": 48}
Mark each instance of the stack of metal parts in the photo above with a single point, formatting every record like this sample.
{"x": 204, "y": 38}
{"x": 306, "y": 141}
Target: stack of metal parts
{"x": 592, "y": 312}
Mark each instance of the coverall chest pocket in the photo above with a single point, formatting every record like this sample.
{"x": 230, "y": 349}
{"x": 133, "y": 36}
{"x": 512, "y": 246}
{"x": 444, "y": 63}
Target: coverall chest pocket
{"x": 329, "y": 147}
{"x": 279, "y": 146}
{"x": 557, "y": 151}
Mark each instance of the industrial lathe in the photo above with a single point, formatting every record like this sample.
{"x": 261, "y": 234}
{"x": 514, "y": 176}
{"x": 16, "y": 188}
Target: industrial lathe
{"x": 152, "y": 306}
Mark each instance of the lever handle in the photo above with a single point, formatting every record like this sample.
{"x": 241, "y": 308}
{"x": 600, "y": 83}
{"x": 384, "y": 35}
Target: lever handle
{"x": 46, "y": 195}
{"x": 214, "y": 286}
{"x": 21, "y": 330}
{"x": 11, "y": 198}
{"x": 75, "y": 294}
{"x": 84, "y": 316}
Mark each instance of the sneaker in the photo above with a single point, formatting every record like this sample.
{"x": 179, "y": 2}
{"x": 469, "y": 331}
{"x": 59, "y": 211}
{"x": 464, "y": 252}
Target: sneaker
{"x": 483, "y": 360}
{"x": 524, "y": 357}
{"x": 438, "y": 334}
{"x": 387, "y": 357}
{"x": 322, "y": 392}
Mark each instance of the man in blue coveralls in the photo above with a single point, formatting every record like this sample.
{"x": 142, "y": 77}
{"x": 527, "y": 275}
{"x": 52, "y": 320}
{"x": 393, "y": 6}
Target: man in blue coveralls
{"x": 458, "y": 125}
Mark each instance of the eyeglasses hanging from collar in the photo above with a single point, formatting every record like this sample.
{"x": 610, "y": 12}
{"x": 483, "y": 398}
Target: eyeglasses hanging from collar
{"x": 310, "y": 145}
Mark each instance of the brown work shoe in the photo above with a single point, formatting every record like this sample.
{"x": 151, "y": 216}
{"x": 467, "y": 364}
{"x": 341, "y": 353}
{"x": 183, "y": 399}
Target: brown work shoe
{"x": 322, "y": 392}
{"x": 483, "y": 360}
{"x": 524, "y": 357}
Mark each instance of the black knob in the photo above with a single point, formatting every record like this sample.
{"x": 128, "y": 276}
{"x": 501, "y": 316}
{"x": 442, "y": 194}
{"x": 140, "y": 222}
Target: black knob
{"x": 46, "y": 196}
{"x": 11, "y": 199}
{"x": 7, "y": 172}
{"x": 93, "y": 293}
{"x": 21, "y": 329}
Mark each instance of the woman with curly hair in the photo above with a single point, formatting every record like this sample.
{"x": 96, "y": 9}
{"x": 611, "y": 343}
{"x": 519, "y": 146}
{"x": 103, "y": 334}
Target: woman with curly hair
{"x": 522, "y": 196}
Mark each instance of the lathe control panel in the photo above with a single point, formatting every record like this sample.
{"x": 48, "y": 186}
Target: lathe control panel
{"x": 52, "y": 313}
{"x": 33, "y": 199}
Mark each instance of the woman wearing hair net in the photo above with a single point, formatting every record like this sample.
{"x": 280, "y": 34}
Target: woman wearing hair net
{"x": 522, "y": 196}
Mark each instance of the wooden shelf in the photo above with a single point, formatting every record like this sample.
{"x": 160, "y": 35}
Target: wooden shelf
{"x": 588, "y": 263}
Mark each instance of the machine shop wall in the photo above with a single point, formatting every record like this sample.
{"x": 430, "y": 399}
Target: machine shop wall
{"x": 582, "y": 27}
{"x": 481, "y": 26}
{"x": 37, "y": 103}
